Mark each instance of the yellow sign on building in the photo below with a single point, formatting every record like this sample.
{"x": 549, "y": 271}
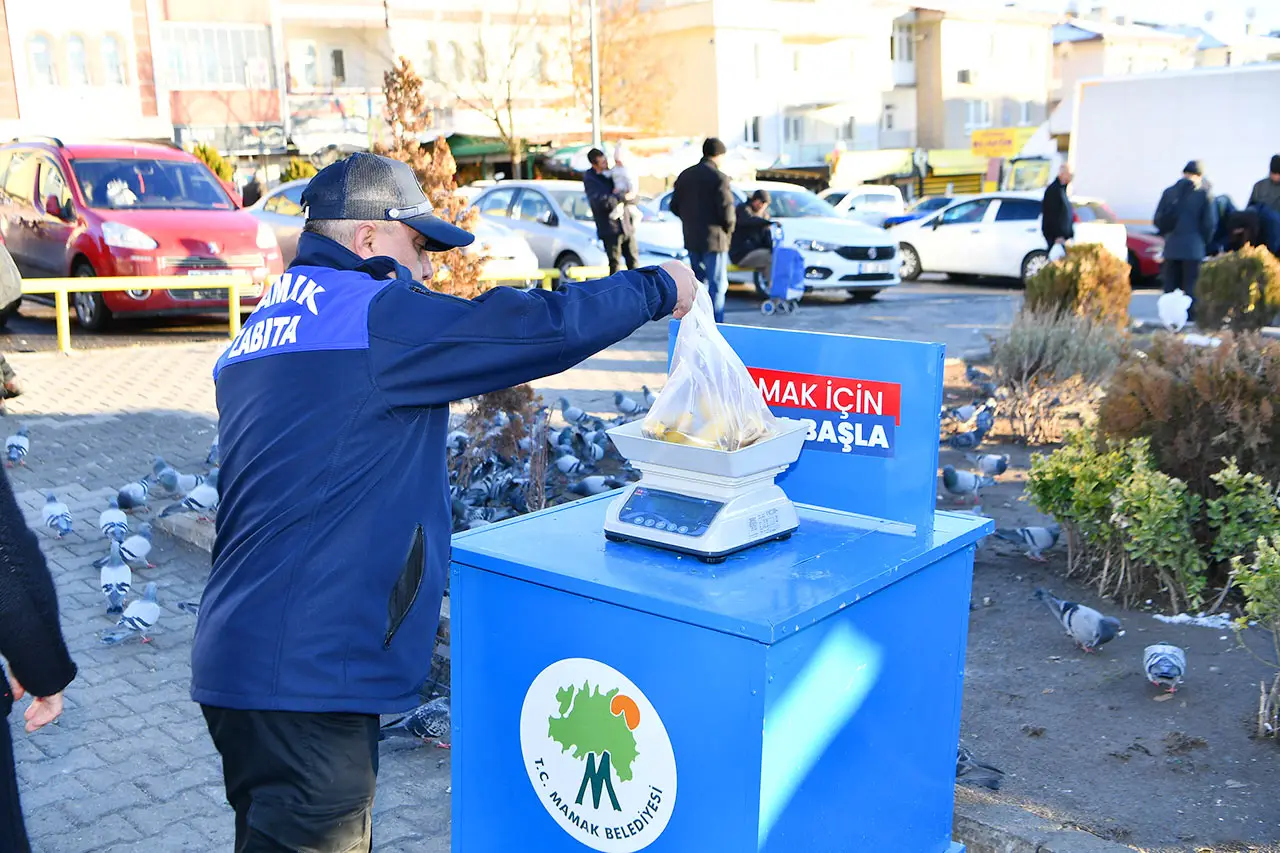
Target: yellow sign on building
{"x": 999, "y": 141}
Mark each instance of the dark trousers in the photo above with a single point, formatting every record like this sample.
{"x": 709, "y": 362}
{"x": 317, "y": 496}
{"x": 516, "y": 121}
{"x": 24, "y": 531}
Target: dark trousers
{"x": 1180, "y": 274}
{"x": 299, "y": 782}
{"x": 620, "y": 247}
{"x": 13, "y": 835}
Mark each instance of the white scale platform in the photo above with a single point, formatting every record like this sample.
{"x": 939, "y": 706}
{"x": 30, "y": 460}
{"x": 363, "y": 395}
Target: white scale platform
{"x": 703, "y": 502}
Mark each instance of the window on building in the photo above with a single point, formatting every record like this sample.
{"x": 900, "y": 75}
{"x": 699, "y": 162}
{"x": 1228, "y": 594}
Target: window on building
{"x": 218, "y": 56}
{"x": 544, "y": 64}
{"x": 112, "y": 66}
{"x": 977, "y": 114}
{"x": 902, "y": 44}
{"x": 40, "y": 55}
{"x": 458, "y": 62}
{"x": 77, "y": 62}
{"x": 751, "y": 131}
{"x": 338, "y": 62}
{"x": 793, "y": 128}
{"x": 431, "y": 64}
{"x": 481, "y": 68}
{"x": 795, "y": 59}
{"x": 1024, "y": 115}
{"x": 848, "y": 129}
{"x": 308, "y": 74}
{"x": 887, "y": 122}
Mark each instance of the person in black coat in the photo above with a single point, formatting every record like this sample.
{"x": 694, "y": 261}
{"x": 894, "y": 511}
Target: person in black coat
{"x": 752, "y": 243}
{"x": 1186, "y": 219}
{"x": 31, "y": 641}
{"x": 1056, "y": 216}
{"x": 702, "y": 199}
{"x": 251, "y": 191}
{"x": 616, "y": 232}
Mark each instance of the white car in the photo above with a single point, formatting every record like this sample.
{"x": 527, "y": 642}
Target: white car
{"x": 997, "y": 234}
{"x": 555, "y": 218}
{"x": 839, "y": 253}
{"x": 869, "y": 203}
{"x": 508, "y": 256}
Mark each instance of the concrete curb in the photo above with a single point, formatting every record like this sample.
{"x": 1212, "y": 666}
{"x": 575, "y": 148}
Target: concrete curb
{"x": 997, "y": 828}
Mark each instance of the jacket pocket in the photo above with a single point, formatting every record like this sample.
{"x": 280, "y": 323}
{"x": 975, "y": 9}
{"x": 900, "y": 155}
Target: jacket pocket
{"x": 405, "y": 591}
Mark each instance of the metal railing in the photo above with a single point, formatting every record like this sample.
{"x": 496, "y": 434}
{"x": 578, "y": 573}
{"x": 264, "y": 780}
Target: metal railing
{"x": 233, "y": 282}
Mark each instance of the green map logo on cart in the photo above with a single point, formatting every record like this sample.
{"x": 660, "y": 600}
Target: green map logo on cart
{"x": 598, "y": 755}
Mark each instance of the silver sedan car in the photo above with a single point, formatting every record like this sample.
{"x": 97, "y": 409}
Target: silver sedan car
{"x": 555, "y": 218}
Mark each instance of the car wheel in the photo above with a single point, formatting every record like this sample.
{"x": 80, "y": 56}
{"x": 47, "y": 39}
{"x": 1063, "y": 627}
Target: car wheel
{"x": 565, "y": 262}
{"x": 10, "y": 311}
{"x": 91, "y": 309}
{"x": 910, "y": 262}
{"x": 1033, "y": 263}
{"x": 863, "y": 294}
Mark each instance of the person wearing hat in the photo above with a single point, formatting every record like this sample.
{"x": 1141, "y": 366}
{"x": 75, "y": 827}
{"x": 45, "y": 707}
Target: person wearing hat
{"x": 752, "y": 244}
{"x": 1266, "y": 192}
{"x": 702, "y": 200}
{"x": 1186, "y": 219}
{"x": 332, "y": 542}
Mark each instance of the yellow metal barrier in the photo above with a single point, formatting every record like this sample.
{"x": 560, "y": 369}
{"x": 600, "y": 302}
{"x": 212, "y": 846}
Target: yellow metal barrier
{"x": 232, "y": 282}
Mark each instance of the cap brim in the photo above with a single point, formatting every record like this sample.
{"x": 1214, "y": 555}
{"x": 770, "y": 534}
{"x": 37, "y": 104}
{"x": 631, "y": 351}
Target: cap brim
{"x": 441, "y": 236}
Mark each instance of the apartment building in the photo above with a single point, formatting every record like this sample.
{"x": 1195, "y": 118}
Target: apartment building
{"x": 1105, "y": 47}
{"x": 88, "y": 66}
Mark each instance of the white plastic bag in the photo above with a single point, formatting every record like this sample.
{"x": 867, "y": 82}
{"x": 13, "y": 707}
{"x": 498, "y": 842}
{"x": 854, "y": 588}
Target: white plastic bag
{"x": 709, "y": 400}
{"x": 1058, "y": 252}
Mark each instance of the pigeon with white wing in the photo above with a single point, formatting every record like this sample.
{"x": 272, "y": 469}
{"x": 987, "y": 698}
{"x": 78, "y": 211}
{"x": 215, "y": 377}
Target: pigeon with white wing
{"x": 990, "y": 464}
{"x": 1034, "y": 539}
{"x": 17, "y": 446}
{"x": 56, "y": 515}
{"x": 964, "y": 484}
{"x": 135, "y": 549}
{"x": 112, "y": 521}
{"x": 134, "y": 495}
{"x": 202, "y": 500}
{"x": 139, "y": 618}
{"x": 429, "y": 721}
{"x": 1165, "y": 665}
{"x": 1089, "y": 628}
{"x": 974, "y": 772}
{"x": 116, "y": 580}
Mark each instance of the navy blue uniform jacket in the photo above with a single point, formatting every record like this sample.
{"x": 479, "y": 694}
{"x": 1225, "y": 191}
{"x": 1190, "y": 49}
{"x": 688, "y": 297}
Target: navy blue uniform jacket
{"x": 332, "y": 542}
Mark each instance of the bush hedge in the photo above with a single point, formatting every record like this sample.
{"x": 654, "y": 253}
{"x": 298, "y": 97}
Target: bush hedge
{"x": 213, "y": 160}
{"x": 296, "y": 169}
{"x": 1239, "y": 290}
{"x": 1089, "y": 281}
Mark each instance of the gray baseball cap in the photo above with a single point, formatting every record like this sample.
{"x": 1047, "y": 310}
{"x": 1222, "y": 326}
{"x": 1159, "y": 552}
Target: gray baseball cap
{"x": 369, "y": 187}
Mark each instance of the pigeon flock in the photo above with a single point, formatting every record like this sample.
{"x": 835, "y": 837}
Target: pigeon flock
{"x": 128, "y": 546}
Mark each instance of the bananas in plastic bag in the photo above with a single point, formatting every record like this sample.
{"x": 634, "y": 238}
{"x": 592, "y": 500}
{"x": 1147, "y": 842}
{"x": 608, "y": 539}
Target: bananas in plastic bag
{"x": 709, "y": 400}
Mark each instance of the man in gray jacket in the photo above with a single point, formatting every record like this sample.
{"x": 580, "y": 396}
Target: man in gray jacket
{"x": 1186, "y": 219}
{"x": 1266, "y": 192}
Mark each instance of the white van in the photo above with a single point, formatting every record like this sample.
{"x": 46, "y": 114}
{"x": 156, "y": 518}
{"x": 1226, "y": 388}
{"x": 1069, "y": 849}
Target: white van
{"x": 869, "y": 203}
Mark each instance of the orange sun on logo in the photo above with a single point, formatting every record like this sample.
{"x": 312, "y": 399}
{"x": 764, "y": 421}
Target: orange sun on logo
{"x": 626, "y": 707}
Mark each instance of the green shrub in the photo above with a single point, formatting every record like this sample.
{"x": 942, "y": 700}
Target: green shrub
{"x": 1053, "y": 366}
{"x": 1245, "y": 510}
{"x": 1239, "y": 290}
{"x": 297, "y": 169}
{"x": 211, "y": 158}
{"x": 1199, "y": 404}
{"x": 1089, "y": 281}
{"x": 1260, "y": 582}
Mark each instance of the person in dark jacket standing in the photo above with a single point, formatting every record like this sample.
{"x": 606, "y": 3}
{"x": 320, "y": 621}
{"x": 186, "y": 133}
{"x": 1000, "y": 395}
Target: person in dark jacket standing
{"x": 252, "y": 190}
{"x": 31, "y": 641}
{"x": 1056, "y": 216}
{"x": 1186, "y": 219}
{"x": 752, "y": 243}
{"x": 703, "y": 201}
{"x": 1266, "y": 192}
{"x": 617, "y": 232}
{"x": 332, "y": 543}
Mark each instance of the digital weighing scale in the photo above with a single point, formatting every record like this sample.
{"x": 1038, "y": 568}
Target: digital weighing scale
{"x": 704, "y": 502}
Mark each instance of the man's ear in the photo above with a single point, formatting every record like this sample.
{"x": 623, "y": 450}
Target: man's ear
{"x": 364, "y": 242}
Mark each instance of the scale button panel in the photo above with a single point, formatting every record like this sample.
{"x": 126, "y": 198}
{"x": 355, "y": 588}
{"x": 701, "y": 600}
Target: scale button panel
{"x": 669, "y": 512}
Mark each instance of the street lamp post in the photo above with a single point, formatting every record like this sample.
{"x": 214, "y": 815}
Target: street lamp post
{"x": 595, "y": 77}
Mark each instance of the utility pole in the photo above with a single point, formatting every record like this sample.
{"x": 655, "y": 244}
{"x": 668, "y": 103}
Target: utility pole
{"x": 595, "y": 78}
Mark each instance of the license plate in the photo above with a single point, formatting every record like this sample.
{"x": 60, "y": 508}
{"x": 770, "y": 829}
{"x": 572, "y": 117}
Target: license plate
{"x": 247, "y": 291}
{"x": 875, "y": 268}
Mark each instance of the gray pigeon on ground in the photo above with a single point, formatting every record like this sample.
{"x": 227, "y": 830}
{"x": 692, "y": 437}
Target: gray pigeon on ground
{"x": 56, "y": 515}
{"x": 990, "y": 464}
{"x": 966, "y": 440}
{"x": 164, "y": 474}
{"x": 1165, "y": 665}
{"x": 135, "y": 549}
{"x": 134, "y": 495}
{"x": 974, "y": 772}
{"x": 192, "y": 607}
{"x": 964, "y": 483}
{"x": 139, "y": 618}
{"x": 17, "y": 446}
{"x": 215, "y": 456}
{"x": 1035, "y": 539}
{"x": 112, "y": 521}
{"x": 202, "y": 500}
{"x": 116, "y": 579}
{"x": 649, "y": 397}
{"x": 626, "y": 405}
{"x": 568, "y": 464}
{"x": 595, "y": 485}
{"x": 1089, "y": 628}
{"x": 572, "y": 414}
{"x": 429, "y": 721}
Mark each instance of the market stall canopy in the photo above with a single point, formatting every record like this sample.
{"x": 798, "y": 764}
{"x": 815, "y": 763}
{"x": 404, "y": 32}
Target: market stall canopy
{"x": 956, "y": 161}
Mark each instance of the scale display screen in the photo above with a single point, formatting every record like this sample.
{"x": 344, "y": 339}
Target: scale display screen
{"x": 669, "y": 512}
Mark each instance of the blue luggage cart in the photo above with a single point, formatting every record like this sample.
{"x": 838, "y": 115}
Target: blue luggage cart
{"x": 786, "y": 276}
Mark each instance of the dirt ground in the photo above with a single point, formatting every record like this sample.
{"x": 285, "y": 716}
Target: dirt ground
{"x": 1085, "y": 739}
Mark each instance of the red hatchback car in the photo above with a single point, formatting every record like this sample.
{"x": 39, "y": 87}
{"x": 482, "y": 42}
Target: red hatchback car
{"x": 124, "y": 208}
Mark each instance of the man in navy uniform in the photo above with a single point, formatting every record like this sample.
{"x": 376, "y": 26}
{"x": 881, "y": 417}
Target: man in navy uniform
{"x": 333, "y": 533}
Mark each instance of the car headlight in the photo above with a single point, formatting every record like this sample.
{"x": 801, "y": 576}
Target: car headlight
{"x": 126, "y": 237}
{"x": 815, "y": 246}
{"x": 266, "y": 237}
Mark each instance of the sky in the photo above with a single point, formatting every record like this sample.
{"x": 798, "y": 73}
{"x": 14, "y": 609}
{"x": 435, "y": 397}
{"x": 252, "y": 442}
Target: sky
{"x": 1229, "y": 15}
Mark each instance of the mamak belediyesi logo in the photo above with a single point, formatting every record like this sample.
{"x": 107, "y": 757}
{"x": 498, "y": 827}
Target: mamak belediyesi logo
{"x": 598, "y": 755}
